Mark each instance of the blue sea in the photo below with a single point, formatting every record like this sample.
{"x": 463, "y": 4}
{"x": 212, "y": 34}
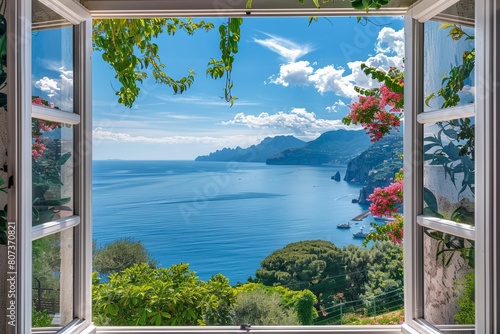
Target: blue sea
{"x": 218, "y": 216}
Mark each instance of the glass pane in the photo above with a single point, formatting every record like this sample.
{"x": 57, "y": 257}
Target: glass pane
{"x": 53, "y": 280}
{"x": 52, "y": 159}
{"x": 448, "y": 65}
{"x": 448, "y": 279}
{"x": 52, "y": 68}
{"x": 449, "y": 170}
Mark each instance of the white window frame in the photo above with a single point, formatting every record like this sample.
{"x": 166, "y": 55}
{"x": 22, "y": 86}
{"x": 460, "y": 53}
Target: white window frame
{"x": 486, "y": 231}
{"x": 487, "y": 194}
{"x": 20, "y": 192}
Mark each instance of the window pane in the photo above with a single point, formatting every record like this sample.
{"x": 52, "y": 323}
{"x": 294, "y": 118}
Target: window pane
{"x": 448, "y": 279}
{"x": 52, "y": 159}
{"x": 53, "y": 280}
{"x": 448, "y": 65}
{"x": 449, "y": 170}
{"x": 52, "y": 68}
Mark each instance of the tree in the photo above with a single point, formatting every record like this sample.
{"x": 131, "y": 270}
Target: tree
{"x": 119, "y": 255}
{"x": 385, "y": 276}
{"x": 141, "y": 295}
{"x": 315, "y": 265}
{"x": 356, "y": 260}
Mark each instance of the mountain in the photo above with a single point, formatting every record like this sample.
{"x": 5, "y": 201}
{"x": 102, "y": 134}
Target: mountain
{"x": 255, "y": 153}
{"x": 376, "y": 166}
{"x": 331, "y": 148}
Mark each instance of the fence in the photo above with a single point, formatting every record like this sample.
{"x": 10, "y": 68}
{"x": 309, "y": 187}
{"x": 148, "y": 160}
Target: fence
{"x": 371, "y": 306}
{"x": 46, "y": 299}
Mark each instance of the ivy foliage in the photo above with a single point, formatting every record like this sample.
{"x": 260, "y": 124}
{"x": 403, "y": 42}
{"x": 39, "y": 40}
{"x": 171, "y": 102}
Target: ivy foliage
{"x": 229, "y": 38}
{"x": 128, "y": 45}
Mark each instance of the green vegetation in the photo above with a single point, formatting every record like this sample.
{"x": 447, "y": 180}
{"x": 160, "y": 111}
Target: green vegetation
{"x": 175, "y": 296}
{"x": 333, "y": 274}
{"x": 315, "y": 265}
{"x": 128, "y": 46}
{"x": 466, "y": 289}
{"x": 300, "y": 303}
{"x": 391, "y": 318}
{"x": 120, "y": 255}
{"x": 40, "y": 318}
{"x": 259, "y": 307}
{"x": 308, "y": 282}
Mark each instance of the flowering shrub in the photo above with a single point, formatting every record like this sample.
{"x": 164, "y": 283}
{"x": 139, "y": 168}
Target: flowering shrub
{"x": 38, "y": 127}
{"x": 386, "y": 201}
{"x": 378, "y": 110}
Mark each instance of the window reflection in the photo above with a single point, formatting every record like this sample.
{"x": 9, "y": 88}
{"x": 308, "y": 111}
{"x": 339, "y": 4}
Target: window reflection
{"x": 52, "y": 163}
{"x": 53, "y": 280}
{"x": 52, "y": 67}
{"x": 449, "y": 59}
{"x": 449, "y": 175}
{"x": 448, "y": 279}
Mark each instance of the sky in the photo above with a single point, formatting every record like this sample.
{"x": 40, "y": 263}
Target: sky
{"x": 290, "y": 78}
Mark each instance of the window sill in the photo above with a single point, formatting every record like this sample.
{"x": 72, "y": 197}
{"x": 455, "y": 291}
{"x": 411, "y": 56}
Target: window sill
{"x": 256, "y": 329}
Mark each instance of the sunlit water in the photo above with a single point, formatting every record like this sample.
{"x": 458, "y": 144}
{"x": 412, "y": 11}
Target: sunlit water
{"x": 217, "y": 216}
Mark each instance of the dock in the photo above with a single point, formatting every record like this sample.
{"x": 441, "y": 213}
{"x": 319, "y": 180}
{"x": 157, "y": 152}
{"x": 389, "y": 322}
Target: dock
{"x": 361, "y": 216}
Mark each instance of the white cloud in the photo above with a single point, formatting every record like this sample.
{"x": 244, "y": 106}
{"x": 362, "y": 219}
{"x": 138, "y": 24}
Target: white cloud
{"x": 390, "y": 41}
{"x": 101, "y": 135}
{"x": 298, "y": 121}
{"x": 62, "y": 86}
{"x": 284, "y": 47}
{"x": 331, "y": 79}
{"x": 49, "y": 86}
{"x": 294, "y": 73}
{"x": 390, "y": 48}
{"x": 337, "y": 106}
{"x": 66, "y": 77}
{"x": 467, "y": 94}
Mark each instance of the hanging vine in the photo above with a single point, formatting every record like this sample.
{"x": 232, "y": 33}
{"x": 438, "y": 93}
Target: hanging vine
{"x": 229, "y": 38}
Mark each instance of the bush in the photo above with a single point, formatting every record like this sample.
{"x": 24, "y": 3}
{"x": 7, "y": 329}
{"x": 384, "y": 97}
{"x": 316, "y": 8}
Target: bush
{"x": 260, "y": 307}
{"x": 141, "y": 295}
{"x": 301, "y": 302}
{"x": 40, "y": 319}
{"x": 120, "y": 255}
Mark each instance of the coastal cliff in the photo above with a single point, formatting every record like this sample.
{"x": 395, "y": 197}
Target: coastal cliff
{"x": 376, "y": 166}
{"x": 331, "y": 148}
{"x": 255, "y": 153}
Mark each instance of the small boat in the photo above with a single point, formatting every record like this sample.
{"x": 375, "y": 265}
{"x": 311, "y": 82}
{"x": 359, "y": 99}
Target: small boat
{"x": 344, "y": 225}
{"x": 361, "y": 234}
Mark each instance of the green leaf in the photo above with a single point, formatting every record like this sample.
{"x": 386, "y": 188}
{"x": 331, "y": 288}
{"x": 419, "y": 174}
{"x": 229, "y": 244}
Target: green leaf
{"x": 430, "y": 200}
{"x": 63, "y": 158}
